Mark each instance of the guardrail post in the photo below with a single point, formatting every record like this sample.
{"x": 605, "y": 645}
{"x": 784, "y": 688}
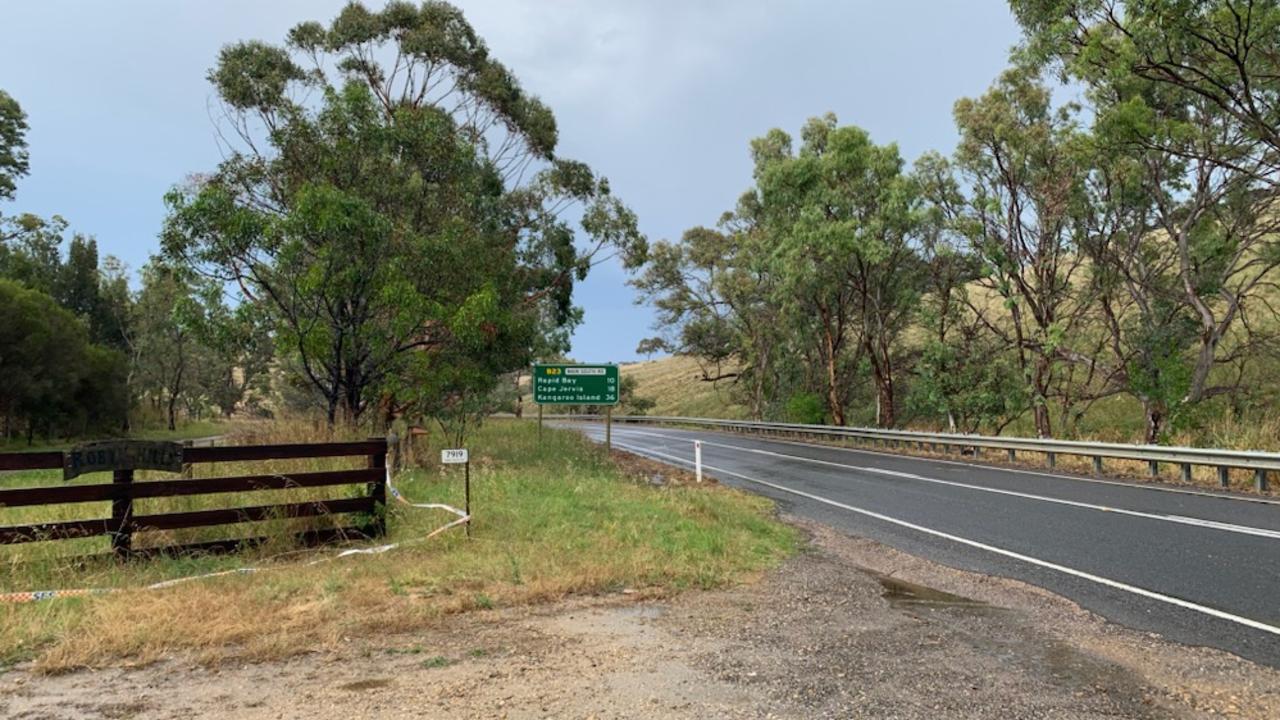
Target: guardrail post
{"x": 378, "y": 491}
{"x": 1260, "y": 480}
{"x": 1186, "y": 472}
{"x": 1153, "y": 468}
{"x": 1097, "y": 464}
{"x": 122, "y": 513}
{"x": 1224, "y": 476}
{"x": 1051, "y": 459}
{"x": 1013, "y": 455}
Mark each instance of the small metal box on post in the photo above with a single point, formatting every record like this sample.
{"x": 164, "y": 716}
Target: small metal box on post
{"x": 578, "y": 385}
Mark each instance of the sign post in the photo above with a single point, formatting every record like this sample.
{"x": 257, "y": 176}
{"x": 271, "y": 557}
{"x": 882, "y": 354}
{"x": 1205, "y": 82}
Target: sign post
{"x": 460, "y": 456}
{"x": 578, "y": 385}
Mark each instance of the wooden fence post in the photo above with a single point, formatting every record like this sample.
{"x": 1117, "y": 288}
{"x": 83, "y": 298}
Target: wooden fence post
{"x": 378, "y": 491}
{"x": 122, "y": 513}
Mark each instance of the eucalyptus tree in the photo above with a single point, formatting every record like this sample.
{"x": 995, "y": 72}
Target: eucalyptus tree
{"x": 711, "y": 293}
{"x": 1023, "y": 163}
{"x": 1190, "y": 92}
{"x": 1175, "y": 60}
{"x": 395, "y": 197}
{"x": 963, "y": 373}
{"x": 840, "y": 213}
{"x": 166, "y": 319}
{"x": 14, "y": 159}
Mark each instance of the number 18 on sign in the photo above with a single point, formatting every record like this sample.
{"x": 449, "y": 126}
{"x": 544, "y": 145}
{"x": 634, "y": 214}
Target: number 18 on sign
{"x": 577, "y": 385}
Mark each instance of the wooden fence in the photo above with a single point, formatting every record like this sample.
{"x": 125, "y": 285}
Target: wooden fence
{"x": 122, "y": 491}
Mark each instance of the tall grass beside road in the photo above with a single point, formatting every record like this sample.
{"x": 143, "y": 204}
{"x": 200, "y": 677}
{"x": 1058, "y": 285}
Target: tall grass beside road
{"x": 553, "y": 517}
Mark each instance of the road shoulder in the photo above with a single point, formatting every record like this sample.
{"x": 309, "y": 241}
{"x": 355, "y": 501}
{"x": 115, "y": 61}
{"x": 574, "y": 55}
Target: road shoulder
{"x": 847, "y": 627}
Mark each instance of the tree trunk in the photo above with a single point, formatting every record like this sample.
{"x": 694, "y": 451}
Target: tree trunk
{"x": 884, "y": 402}
{"x": 1155, "y": 418}
{"x": 834, "y": 405}
{"x": 882, "y": 373}
{"x": 1040, "y": 384}
{"x": 173, "y": 411}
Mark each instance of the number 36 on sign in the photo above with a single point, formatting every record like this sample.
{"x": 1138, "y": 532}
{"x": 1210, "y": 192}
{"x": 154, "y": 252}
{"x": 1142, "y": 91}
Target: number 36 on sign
{"x": 456, "y": 456}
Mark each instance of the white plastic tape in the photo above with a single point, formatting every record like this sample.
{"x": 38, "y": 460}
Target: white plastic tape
{"x": 38, "y": 595}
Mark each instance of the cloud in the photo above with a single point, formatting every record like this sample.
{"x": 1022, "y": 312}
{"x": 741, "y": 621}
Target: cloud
{"x": 633, "y": 59}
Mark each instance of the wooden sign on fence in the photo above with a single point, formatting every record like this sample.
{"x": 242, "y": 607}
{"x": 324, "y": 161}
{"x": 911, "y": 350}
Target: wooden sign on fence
{"x": 121, "y": 455}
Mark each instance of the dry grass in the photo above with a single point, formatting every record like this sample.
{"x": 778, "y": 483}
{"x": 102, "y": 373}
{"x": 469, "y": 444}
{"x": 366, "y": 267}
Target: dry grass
{"x": 674, "y": 384}
{"x": 553, "y": 518}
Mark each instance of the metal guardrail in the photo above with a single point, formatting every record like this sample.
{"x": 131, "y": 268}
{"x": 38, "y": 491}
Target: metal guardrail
{"x": 1185, "y": 457}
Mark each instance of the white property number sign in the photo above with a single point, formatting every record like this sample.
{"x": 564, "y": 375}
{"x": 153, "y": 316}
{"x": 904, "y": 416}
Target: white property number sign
{"x": 456, "y": 456}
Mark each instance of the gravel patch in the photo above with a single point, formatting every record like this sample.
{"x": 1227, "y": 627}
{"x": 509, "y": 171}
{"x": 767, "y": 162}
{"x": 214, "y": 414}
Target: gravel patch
{"x": 848, "y": 628}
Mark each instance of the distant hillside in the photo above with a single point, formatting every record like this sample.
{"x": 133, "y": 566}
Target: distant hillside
{"x": 675, "y": 384}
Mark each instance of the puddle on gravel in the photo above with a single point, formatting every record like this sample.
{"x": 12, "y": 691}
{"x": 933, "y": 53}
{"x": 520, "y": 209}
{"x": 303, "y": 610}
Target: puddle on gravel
{"x": 363, "y": 685}
{"x": 901, "y": 593}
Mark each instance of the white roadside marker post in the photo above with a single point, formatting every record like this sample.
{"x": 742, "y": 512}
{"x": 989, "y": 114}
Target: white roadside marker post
{"x": 697, "y": 459}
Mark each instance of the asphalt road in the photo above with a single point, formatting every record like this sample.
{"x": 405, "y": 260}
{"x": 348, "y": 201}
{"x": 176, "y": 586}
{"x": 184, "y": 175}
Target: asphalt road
{"x": 1200, "y": 569}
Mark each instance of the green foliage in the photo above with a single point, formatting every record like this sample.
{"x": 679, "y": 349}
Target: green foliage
{"x": 630, "y": 402}
{"x": 806, "y": 407}
{"x": 14, "y": 160}
{"x": 96, "y": 293}
{"x": 813, "y": 273}
{"x": 969, "y": 383}
{"x": 1184, "y": 97}
{"x": 1156, "y": 67}
{"x": 165, "y": 319}
{"x": 403, "y": 230}
{"x": 31, "y": 252}
{"x": 53, "y": 381}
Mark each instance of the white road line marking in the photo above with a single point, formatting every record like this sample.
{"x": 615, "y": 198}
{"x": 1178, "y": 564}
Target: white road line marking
{"x": 1133, "y": 589}
{"x": 1180, "y": 519}
{"x": 1021, "y": 471}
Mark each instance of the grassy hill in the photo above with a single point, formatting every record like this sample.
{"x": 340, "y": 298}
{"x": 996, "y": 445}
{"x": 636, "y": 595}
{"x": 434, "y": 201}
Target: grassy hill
{"x": 675, "y": 384}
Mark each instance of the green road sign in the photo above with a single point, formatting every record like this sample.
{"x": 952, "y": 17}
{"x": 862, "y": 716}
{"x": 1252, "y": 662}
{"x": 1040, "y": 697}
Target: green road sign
{"x": 575, "y": 384}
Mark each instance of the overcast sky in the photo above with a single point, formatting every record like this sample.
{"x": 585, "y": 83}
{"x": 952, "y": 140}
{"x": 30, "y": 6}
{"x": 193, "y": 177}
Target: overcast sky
{"x": 661, "y": 97}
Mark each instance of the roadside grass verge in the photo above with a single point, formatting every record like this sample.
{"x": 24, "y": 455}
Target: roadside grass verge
{"x": 552, "y": 518}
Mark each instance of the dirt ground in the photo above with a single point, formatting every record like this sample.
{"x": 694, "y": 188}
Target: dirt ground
{"x": 848, "y": 628}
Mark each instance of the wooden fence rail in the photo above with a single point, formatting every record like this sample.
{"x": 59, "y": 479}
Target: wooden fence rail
{"x": 122, "y": 491}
